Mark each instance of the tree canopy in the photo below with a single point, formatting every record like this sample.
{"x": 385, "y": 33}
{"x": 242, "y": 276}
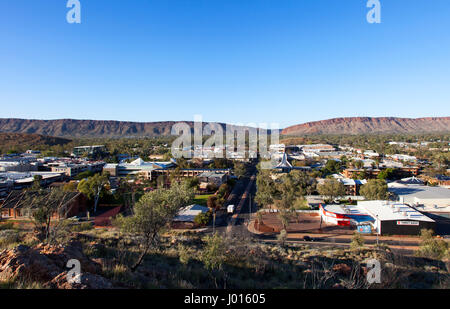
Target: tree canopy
{"x": 375, "y": 189}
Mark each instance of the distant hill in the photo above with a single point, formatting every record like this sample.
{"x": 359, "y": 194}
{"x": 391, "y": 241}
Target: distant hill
{"x": 89, "y": 128}
{"x": 368, "y": 125}
{"x": 21, "y": 140}
{"x": 71, "y": 128}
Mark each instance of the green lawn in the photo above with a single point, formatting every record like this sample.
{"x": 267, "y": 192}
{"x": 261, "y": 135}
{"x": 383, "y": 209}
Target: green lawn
{"x": 201, "y": 199}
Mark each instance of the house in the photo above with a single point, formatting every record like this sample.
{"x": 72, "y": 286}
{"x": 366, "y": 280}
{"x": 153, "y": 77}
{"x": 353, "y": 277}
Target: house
{"x": 354, "y": 173}
{"x": 186, "y": 216}
{"x": 352, "y": 186}
{"x": 213, "y": 177}
{"x": 19, "y": 205}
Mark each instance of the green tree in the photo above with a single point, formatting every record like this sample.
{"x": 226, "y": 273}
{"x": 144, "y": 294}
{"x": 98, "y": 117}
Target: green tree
{"x": 84, "y": 175}
{"x": 214, "y": 203}
{"x": 386, "y": 174}
{"x": 266, "y": 189}
{"x": 331, "y": 188}
{"x": 45, "y": 207}
{"x": 332, "y": 167}
{"x": 153, "y": 214}
{"x": 202, "y": 218}
{"x": 36, "y": 183}
{"x": 239, "y": 169}
{"x": 70, "y": 187}
{"x": 375, "y": 189}
{"x": 214, "y": 254}
{"x": 193, "y": 182}
{"x": 358, "y": 164}
{"x": 93, "y": 188}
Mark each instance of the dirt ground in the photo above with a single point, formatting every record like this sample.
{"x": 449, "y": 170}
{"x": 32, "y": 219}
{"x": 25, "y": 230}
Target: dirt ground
{"x": 302, "y": 223}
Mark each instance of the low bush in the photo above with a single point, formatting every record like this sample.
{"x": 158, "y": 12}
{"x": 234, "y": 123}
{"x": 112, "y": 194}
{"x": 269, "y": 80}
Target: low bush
{"x": 6, "y": 226}
{"x": 85, "y": 226}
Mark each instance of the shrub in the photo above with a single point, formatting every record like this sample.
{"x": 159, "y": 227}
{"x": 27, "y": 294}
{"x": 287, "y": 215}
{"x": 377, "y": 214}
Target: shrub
{"x": 202, "y": 218}
{"x": 282, "y": 237}
{"x": 85, "y": 226}
{"x": 431, "y": 247}
{"x": 214, "y": 253}
{"x": 184, "y": 254}
{"x": 6, "y": 226}
{"x": 357, "y": 241}
{"x": 8, "y": 238}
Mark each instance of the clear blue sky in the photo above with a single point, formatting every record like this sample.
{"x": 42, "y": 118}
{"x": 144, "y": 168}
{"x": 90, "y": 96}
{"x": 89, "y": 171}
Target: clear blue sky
{"x": 285, "y": 61}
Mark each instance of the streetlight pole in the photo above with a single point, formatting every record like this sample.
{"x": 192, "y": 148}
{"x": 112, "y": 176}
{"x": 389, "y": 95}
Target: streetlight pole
{"x": 378, "y": 230}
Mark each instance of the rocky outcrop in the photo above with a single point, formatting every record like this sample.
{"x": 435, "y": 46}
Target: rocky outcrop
{"x": 368, "y": 125}
{"x": 46, "y": 265}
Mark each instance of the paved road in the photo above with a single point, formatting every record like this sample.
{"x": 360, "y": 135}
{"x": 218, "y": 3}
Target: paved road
{"x": 242, "y": 198}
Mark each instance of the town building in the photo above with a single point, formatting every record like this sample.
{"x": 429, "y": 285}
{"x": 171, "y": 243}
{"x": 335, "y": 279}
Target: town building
{"x": 352, "y": 186}
{"x": 90, "y": 151}
{"x": 317, "y": 148}
{"x": 382, "y": 217}
{"x": 368, "y": 173}
{"x": 186, "y": 216}
{"x": 393, "y": 218}
{"x": 428, "y": 198}
{"x": 344, "y": 215}
{"x": 19, "y": 205}
{"x": 20, "y": 180}
{"x": 73, "y": 169}
{"x": 213, "y": 177}
{"x": 152, "y": 170}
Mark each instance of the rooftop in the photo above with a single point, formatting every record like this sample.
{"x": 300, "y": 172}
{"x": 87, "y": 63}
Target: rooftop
{"x": 188, "y": 213}
{"x": 386, "y": 210}
{"x": 411, "y": 191}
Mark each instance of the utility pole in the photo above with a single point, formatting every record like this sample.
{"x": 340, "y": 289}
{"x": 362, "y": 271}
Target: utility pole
{"x": 378, "y": 223}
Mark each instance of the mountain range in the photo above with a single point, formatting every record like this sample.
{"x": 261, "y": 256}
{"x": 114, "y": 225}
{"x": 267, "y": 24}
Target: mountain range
{"x": 71, "y": 128}
{"x": 370, "y": 125}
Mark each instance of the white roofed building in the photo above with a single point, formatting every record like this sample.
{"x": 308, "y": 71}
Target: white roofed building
{"x": 394, "y": 218}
